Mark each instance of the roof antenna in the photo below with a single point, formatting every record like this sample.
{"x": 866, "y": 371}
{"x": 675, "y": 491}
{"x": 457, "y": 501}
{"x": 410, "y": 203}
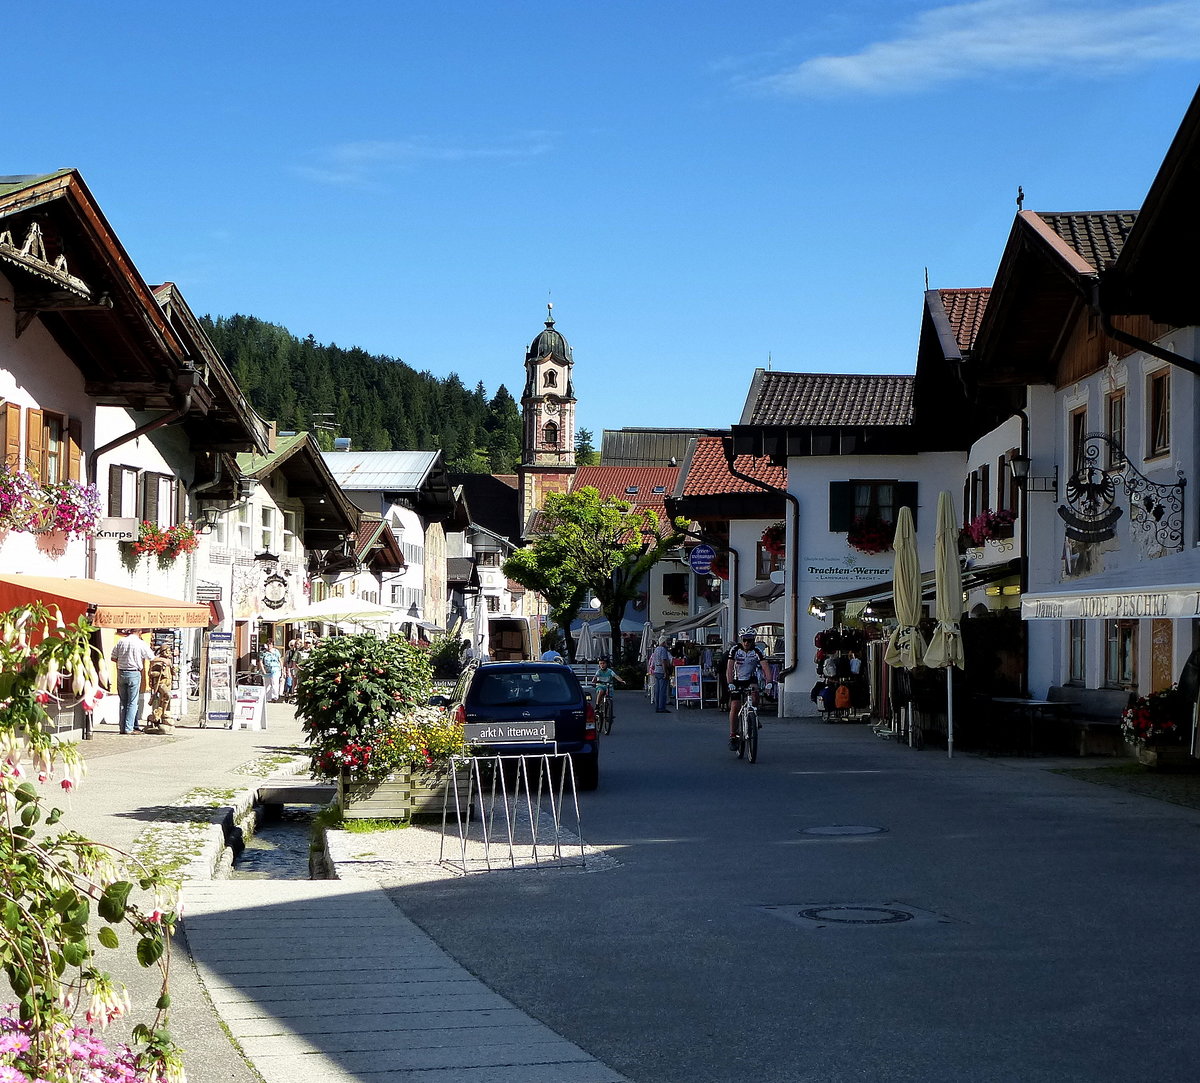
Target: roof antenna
{"x": 1020, "y": 197}
{"x": 926, "y": 279}
{"x": 768, "y": 360}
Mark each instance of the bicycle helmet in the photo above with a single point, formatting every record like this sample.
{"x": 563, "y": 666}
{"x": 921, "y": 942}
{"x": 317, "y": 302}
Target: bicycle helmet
{"x": 747, "y": 633}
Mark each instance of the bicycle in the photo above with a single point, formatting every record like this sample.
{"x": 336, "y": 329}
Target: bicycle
{"x": 748, "y": 727}
{"x": 604, "y": 711}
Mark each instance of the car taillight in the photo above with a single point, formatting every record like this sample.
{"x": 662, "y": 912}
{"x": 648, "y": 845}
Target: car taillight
{"x": 460, "y": 715}
{"x": 589, "y": 721}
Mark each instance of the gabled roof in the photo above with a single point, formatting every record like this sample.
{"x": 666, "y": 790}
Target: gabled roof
{"x": 706, "y": 471}
{"x": 328, "y": 514}
{"x": 827, "y": 400}
{"x": 1049, "y": 267}
{"x": 962, "y": 309}
{"x": 643, "y": 486}
{"x": 375, "y": 544}
{"x": 68, "y": 269}
{"x": 416, "y": 476}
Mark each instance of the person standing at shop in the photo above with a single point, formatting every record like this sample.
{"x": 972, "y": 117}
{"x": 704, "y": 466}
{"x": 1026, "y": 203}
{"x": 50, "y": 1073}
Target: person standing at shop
{"x": 130, "y": 654}
{"x": 658, "y": 666}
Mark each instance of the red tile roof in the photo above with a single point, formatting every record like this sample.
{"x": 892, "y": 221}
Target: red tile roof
{"x": 822, "y": 399}
{"x": 708, "y": 472}
{"x": 618, "y": 480}
{"x": 964, "y": 310}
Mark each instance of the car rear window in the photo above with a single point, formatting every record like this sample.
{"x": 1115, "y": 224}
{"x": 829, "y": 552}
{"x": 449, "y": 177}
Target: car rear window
{"x": 550, "y": 688}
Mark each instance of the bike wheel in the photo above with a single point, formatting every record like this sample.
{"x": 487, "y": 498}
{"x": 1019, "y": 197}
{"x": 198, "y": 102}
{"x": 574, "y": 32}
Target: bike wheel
{"x": 608, "y": 714}
{"x": 741, "y": 748}
{"x": 752, "y": 735}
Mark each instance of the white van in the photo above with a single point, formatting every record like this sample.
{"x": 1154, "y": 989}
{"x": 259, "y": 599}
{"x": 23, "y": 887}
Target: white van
{"x": 514, "y": 639}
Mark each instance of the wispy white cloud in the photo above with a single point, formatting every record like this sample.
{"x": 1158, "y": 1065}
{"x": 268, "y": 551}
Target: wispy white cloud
{"x": 974, "y": 40}
{"x": 368, "y": 163}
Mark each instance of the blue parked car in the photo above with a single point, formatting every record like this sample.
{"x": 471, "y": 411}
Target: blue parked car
{"x": 523, "y": 694}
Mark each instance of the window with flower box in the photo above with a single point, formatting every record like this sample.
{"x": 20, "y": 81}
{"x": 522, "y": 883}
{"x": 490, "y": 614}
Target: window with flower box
{"x": 869, "y": 500}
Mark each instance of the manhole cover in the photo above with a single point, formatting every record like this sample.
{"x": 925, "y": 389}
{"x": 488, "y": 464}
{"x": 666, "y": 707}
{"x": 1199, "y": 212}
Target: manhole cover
{"x": 843, "y": 829}
{"x": 850, "y": 915}
{"x": 856, "y": 915}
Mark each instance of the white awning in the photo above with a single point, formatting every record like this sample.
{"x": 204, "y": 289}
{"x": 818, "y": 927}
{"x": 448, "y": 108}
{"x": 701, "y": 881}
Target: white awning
{"x": 1145, "y": 603}
{"x": 762, "y": 595}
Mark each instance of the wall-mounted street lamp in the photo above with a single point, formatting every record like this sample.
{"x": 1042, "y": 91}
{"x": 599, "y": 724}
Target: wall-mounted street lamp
{"x": 1019, "y": 465}
{"x": 206, "y": 521}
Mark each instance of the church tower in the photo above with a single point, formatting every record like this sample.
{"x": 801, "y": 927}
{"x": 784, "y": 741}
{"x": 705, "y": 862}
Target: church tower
{"x": 548, "y": 419}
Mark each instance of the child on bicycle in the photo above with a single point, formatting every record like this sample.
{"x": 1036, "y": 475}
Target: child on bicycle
{"x": 741, "y": 672}
{"x": 604, "y": 679}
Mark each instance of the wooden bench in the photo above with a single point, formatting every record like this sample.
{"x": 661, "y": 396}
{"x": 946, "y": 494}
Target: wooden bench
{"x": 1092, "y": 726}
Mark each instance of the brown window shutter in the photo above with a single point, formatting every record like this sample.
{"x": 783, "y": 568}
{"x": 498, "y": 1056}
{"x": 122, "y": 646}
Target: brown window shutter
{"x": 116, "y": 479}
{"x": 35, "y": 443}
{"x": 74, "y": 448}
{"x": 181, "y": 502}
{"x": 12, "y": 434}
{"x": 148, "y": 483}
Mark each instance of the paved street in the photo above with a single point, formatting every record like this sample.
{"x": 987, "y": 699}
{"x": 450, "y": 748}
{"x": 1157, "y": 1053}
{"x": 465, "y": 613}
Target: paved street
{"x": 967, "y": 919}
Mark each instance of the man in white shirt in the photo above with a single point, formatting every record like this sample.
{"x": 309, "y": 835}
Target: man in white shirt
{"x": 131, "y": 654}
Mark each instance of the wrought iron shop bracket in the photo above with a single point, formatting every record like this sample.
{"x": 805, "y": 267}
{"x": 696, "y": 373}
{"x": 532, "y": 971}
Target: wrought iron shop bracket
{"x": 1091, "y": 514}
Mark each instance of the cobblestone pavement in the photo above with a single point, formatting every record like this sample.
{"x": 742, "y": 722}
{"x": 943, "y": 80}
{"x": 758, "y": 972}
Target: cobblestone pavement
{"x": 1178, "y": 787}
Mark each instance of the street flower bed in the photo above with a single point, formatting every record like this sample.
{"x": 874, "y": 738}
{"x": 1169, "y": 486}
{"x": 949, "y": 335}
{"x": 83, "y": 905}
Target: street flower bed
{"x": 363, "y": 702}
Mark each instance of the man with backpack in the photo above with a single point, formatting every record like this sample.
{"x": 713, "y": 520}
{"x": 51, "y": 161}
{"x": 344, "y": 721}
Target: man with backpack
{"x": 746, "y": 660}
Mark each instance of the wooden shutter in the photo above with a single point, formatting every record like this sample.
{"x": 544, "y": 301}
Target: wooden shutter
{"x": 74, "y": 434}
{"x": 12, "y": 434}
{"x": 148, "y": 482}
{"x": 35, "y": 443}
{"x": 181, "y": 502}
{"x": 841, "y": 505}
{"x": 116, "y": 486}
{"x": 906, "y": 497}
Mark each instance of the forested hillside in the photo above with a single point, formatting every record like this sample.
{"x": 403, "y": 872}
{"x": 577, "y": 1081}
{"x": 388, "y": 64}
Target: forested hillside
{"x": 379, "y": 402}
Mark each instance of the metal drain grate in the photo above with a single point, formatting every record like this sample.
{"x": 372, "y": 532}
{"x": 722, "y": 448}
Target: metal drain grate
{"x": 854, "y": 915}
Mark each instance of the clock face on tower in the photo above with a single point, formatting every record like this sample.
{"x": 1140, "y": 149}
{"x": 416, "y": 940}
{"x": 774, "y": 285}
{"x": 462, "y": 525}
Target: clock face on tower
{"x": 552, "y": 407}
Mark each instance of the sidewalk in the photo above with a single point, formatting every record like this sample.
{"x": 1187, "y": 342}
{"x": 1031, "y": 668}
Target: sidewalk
{"x": 315, "y": 980}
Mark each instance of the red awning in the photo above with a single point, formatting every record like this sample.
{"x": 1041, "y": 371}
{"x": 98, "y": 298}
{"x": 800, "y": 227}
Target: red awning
{"x": 105, "y": 605}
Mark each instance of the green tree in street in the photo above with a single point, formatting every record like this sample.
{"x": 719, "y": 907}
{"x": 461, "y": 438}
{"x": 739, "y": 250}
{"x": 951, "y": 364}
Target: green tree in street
{"x": 603, "y": 544}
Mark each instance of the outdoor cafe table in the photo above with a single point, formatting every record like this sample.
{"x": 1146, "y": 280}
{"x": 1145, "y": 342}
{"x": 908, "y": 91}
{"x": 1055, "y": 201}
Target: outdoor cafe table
{"x": 1021, "y": 707}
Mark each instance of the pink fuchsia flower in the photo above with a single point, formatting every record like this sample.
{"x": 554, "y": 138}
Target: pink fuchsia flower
{"x": 67, "y": 784}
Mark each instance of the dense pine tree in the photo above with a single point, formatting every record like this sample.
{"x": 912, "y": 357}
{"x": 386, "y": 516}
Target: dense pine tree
{"x": 379, "y": 402}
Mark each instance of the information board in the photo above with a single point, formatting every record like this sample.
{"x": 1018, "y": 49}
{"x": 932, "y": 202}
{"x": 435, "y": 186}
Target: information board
{"x": 687, "y": 683}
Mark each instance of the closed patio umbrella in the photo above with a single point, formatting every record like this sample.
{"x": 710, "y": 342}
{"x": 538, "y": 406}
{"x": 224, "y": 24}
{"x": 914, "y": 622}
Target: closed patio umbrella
{"x": 647, "y": 642}
{"x": 946, "y": 649}
{"x": 585, "y": 649}
{"x": 906, "y": 647}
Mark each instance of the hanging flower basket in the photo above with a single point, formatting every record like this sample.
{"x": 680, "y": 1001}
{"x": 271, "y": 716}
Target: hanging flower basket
{"x": 66, "y": 507}
{"x": 720, "y": 566}
{"x": 870, "y": 536}
{"x": 773, "y": 539}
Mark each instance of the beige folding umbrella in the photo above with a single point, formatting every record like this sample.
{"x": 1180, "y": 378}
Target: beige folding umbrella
{"x": 906, "y": 647}
{"x": 945, "y": 649}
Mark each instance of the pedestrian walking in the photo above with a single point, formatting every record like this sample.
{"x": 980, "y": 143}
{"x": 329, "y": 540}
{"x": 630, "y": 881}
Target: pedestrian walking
{"x": 272, "y": 667}
{"x": 660, "y": 660}
{"x": 131, "y": 654}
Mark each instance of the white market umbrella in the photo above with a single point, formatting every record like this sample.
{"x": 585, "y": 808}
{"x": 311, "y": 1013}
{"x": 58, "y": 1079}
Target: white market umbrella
{"x": 479, "y": 629}
{"x": 946, "y": 649}
{"x": 585, "y": 649}
{"x": 906, "y": 647}
{"x": 333, "y": 610}
{"x": 647, "y": 642}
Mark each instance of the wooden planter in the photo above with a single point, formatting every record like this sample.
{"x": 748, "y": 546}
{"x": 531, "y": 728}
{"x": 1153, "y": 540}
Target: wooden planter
{"x": 1166, "y": 757}
{"x": 408, "y": 794}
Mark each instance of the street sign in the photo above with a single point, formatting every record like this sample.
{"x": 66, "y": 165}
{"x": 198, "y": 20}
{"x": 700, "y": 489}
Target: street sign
{"x": 205, "y": 593}
{"x": 700, "y": 558}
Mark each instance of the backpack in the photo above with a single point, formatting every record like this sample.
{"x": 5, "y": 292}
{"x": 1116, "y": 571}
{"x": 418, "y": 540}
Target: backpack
{"x": 841, "y": 698}
{"x": 828, "y": 698}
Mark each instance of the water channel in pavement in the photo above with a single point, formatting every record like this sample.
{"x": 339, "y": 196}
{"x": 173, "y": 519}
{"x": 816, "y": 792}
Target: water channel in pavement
{"x": 279, "y": 847}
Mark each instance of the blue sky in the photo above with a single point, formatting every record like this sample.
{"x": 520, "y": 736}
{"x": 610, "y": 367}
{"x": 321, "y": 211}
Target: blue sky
{"x": 697, "y": 185}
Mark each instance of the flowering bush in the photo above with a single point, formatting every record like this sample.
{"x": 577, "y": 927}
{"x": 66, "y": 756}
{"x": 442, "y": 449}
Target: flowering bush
{"x": 773, "y": 539}
{"x": 20, "y": 498}
{"x": 53, "y": 888}
{"x": 363, "y": 704}
{"x": 988, "y": 525}
{"x": 870, "y": 535}
{"x": 167, "y": 544}
{"x": 1161, "y": 718}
